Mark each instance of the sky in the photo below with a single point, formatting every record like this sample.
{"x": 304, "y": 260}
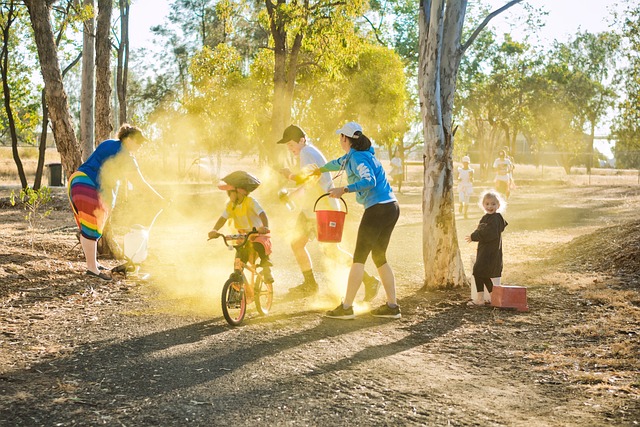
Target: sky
{"x": 564, "y": 19}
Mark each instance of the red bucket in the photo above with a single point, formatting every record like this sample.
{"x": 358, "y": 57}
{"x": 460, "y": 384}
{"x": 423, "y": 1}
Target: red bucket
{"x": 330, "y": 223}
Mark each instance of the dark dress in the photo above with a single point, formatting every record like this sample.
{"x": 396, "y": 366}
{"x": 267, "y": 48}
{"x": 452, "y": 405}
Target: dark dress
{"x": 489, "y": 238}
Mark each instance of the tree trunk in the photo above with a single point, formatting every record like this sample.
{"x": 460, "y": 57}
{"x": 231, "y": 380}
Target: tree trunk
{"x": 440, "y": 55}
{"x": 592, "y": 137}
{"x": 441, "y": 254}
{"x": 88, "y": 85}
{"x": 279, "y": 116}
{"x": 284, "y": 73}
{"x": 42, "y": 148}
{"x": 57, "y": 103}
{"x": 123, "y": 61}
{"x": 6, "y": 91}
{"x": 103, "y": 72}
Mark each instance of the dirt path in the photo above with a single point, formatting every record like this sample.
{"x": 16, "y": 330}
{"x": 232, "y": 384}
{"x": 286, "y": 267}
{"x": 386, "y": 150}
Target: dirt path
{"x": 77, "y": 352}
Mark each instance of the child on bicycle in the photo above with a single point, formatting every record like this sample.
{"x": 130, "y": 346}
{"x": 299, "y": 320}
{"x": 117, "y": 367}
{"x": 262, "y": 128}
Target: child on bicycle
{"x": 246, "y": 214}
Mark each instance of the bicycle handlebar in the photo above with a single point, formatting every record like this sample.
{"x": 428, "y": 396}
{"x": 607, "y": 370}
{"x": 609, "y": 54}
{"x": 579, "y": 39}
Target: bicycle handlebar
{"x": 243, "y": 236}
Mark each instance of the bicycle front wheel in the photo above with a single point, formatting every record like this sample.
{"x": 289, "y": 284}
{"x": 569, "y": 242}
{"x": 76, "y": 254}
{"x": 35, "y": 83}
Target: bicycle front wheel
{"x": 263, "y": 295}
{"x": 234, "y": 302}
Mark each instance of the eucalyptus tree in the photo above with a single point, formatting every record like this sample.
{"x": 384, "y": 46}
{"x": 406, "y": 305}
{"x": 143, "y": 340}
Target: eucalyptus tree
{"x": 56, "y": 96}
{"x": 377, "y": 97}
{"x": 122, "y": 58}
{"x": 220, "y": 102}
{"x": 310, "y": 33}
{"x": 591, "y": 60}
{"x": 103, "y": 125}
{"x": 87, "y": 122}
{"x": 441, "y": 50}
{"x": 626, "y": 126}
{"x": 16, "y": 95}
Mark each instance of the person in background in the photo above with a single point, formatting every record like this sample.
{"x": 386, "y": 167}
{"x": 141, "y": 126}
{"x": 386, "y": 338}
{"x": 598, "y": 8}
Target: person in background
{"x": 93, "y": 189}
{"x": 308, "y": 191}
{"x": 246, "y": 214}
{"x": 488, "y": 263}
{"x": 502, "y": 166}
{"x": 512, "y": 182}
{"x": 465, "y": 185}
{"x": 397, "y": 171}
{"x": 367, "y": 179}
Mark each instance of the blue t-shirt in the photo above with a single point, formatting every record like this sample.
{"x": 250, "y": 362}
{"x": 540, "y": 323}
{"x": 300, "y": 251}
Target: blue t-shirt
{"x": 102, "y": 153}
{"x": 107, "y": 166}
{"x": 365, "y": 176}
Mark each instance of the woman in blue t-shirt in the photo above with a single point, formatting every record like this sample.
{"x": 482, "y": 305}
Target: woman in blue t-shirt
{"x": 366, "y": 178}
{"x": 94, "y": 186}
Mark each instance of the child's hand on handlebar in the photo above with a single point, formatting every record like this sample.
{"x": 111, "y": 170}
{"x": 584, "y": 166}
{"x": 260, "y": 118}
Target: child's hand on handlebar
{"x": 263, "y": 230}
{"x": 213, "y": 234}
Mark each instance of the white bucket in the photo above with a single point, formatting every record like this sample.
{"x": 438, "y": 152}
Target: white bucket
{"x": 135, "y": 244}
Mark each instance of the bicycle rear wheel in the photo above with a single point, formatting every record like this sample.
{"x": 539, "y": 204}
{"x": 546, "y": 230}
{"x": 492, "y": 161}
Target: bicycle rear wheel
{"x": 263, "y": 295}
{"x": 234, "y": 303}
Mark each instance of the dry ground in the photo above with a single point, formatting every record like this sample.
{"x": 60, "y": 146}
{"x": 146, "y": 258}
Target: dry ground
{"x": 74, "y": 351}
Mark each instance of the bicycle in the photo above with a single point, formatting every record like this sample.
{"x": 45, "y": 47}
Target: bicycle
{"x": 242, "y": 289}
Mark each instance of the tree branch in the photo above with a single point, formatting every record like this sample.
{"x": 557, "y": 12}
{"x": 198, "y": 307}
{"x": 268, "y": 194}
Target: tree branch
{"x": 375, "y": 30}
{"x": 484, "y": 23}
{"x": 71, "y": 65}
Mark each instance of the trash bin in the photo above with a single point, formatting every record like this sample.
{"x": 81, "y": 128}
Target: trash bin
{"x": 55, "y": 174}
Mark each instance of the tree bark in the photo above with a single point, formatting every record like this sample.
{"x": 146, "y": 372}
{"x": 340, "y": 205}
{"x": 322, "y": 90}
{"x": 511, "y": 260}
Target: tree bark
{"x": 281, "y": 114}
{"x": 88, "y": 85}
{"x": 103, "y": 72}
{"x": 123, "y": 62}
{"x": 441, "y": 253}
{"x": 6, "y": 91}
{"x": 439, "y": 60}
{"x": 42, "y": 147}
{"x": 57, "y": 101}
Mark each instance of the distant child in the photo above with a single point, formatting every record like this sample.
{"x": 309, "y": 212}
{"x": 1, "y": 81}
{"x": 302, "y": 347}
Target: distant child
{"x": 503, "y": 167}
{"x": 246, "y": 213}
{"x": 489, "y": 237}
{"x": 465, "y": 185}
{"x": 397, "y": 171}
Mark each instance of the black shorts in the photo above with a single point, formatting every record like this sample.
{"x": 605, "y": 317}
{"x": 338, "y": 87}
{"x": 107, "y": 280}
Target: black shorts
{"x": 374, "y": 233}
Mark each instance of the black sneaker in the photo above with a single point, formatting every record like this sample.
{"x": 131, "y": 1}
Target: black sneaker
{"x": 304, "y": 290}
{"x": 386, "y": 311}
{"x": 341, "y": 313}
{"x": 371, "y": 289}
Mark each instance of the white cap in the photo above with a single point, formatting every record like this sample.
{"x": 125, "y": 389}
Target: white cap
{"x": 349, "y": 129}
{"x": 466, "y": 159}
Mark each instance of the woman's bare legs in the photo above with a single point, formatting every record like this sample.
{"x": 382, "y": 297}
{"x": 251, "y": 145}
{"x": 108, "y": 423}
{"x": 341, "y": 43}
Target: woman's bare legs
{"x": 389, "y": 282}
{"x": 353, "y": 284}
{"x": 90, "y": 249}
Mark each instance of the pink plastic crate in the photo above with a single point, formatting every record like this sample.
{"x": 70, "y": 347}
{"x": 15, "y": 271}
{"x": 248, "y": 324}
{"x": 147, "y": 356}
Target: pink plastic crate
{"x": 504, "y": 296}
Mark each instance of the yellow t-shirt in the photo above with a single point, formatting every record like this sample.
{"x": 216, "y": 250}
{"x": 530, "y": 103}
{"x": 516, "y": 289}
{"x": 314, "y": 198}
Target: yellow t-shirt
{"x": 245, "y": 215}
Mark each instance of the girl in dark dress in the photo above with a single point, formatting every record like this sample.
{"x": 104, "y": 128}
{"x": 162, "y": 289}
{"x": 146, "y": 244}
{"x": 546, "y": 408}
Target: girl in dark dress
{"x": 489, "y": 237}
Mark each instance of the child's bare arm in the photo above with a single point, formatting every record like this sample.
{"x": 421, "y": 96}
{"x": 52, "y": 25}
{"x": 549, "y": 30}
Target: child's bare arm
{"x": 265, "y": 223}
{"x": 219, "y": 224}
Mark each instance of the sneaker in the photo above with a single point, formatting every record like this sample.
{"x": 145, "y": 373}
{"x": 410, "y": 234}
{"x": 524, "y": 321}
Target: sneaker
{"x": 341, "y": 313}
{"x": 266, "y": 273}
{"x": 371, "y": 289}
{"x": 386, "y": 311}
{"x": 305, "y": 289}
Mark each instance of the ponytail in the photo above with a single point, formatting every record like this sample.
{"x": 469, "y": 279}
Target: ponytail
{"x": 359, "y": 141}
